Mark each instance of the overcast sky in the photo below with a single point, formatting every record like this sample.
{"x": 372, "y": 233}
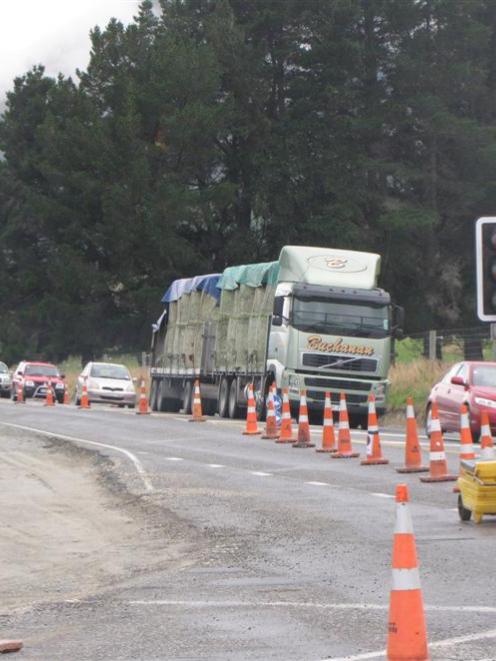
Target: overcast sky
{"x": 51, "y": 32}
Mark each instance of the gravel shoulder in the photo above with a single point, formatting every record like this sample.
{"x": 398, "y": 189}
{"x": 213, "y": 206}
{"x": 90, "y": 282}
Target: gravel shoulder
{"x": 70, "y": 528}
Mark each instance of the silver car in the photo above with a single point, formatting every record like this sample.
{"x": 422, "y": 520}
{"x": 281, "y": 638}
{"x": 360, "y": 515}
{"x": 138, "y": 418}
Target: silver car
{"x": 5, "y": 381}
{"x": 107, "y": 383}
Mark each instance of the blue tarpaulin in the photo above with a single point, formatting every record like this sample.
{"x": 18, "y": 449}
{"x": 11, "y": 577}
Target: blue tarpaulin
{"x": 206, "y": 283}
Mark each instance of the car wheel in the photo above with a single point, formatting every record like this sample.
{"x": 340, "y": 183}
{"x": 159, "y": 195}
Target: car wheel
{"x": 464, "y": 513}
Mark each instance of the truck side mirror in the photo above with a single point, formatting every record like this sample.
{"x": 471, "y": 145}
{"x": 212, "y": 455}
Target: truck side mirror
{"x": 276, "y": 320}
{"x": 277, "y": 311}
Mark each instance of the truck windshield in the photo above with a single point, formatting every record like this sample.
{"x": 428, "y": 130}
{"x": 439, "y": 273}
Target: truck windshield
{"x": 337, "y": 317}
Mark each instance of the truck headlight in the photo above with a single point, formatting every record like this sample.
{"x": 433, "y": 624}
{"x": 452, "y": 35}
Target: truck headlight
{"x": 294, "y": 382}
{"x": 59, "y": 385}
{"x": 380, "y": 390}
{"x": 29, "y": 384}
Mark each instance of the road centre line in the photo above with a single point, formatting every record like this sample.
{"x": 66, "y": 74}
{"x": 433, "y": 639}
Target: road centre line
{"x": 136, "y": 462}
{"x": 310, "y": 604}
{"x": 216, "y": 465}
{"x": 318, "y": 484}
{"x": 381, "y": 495}
{"x": 173, "y": 459}
{"x": 261, "y": 473}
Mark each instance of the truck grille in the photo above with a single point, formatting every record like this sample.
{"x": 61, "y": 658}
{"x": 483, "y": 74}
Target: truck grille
{"x": 337, "y": 384}
{"x": 319, "y": 395}
{"x": 355, "y": 365}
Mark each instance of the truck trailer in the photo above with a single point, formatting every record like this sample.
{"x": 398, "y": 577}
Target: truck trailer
{"x": 313, "y": 320}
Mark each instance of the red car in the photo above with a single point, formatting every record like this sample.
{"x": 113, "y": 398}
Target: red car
{"x": 34, "y": 379}
{"x": 472, "y": 383}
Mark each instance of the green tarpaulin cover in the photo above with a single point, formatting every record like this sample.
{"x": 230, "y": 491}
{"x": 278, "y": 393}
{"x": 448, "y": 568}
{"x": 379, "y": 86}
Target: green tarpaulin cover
{"x": 252, "y": 275}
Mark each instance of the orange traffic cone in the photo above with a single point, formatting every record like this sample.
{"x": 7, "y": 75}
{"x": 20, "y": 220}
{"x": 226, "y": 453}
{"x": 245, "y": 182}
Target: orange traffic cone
{"x": 407, "y": 633}
{"x": 251, "y": 428}
{"x": 197, "y": 405}
{"x": 66, "y": 396}
{"x": 270, "y": 420}
{"x": 328, "y": 436}
{"x": 20, "y": 395}
{"x": 413, "y": 453}
{"x": 85, "y": 402}
{"x": 143, "y": 400}
{"x": 374, "y": 451}
{"x": 303, "y": 440}
{"x": 438, "y": 466}
{"x": 49, "y": 396}
{"x": 345, "y": 450}
{"x": 466, "y": 443}
{"x": 486, "y": 440}
{"x": 286, "y": 432}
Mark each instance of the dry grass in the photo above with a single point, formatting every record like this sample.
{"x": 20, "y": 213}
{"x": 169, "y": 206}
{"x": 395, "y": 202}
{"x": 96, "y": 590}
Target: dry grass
{"x": 414, "y": 379}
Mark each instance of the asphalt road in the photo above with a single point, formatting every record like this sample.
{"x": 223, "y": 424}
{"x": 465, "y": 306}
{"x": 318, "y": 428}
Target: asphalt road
{"x": 285, "y": 553}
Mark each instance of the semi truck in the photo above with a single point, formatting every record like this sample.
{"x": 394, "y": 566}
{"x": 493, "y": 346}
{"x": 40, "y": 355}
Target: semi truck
{"x": 313, "y": 320}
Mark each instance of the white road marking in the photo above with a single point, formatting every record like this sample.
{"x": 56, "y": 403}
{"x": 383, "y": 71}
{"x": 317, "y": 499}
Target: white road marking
{"x": 261, "y": 473}
{"x": 137, "y": 464}
{"x": 216, "y": 465}
{"x": 447, "y": 642}
{"x": 173, "y": 459}
{"x": 318, "y": 484}
{"x": 382, "y": 495}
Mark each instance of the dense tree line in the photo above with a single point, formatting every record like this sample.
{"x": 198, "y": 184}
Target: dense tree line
{"x": 212, "y": 132}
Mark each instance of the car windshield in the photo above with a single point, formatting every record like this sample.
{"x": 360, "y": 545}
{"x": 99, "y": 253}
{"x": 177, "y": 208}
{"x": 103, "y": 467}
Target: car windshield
{"x": 110, "y": 372}
{"x": 3, "y": 368}
{"x": 335, "y": 317}
{"x": 484, "y": 375}
{"x": 41, "y": 370}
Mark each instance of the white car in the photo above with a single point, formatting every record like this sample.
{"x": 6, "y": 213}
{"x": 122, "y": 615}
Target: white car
{"x": 107, "y": 383}
{"x": 5, "y": 381}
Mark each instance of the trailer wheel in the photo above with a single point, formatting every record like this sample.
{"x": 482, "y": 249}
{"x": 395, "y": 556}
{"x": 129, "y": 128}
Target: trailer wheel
{"x": 154, "y": 395}
{"x": 234, "y": 410}
{"x": 187, "y": 397}
{"x": 464, "y": 513}
{"x": 223, "y": 398}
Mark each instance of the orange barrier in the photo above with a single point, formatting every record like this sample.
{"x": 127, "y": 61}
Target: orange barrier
{"x": 66, "y": 396}
{"x": 20, "y": 395}
{"x": 49, "y": 396}
{"x": 407, "y": 633}
{"x": 85, "y": 402}
{"x": 10, "y": 646}
{"x": 197, "y": 405}
{"x": 413, "y": 452}
{"x": 303, "y": 440}
{"x": 270, "y": 419}
{"x": 328, "y": 436}
{"x": 486, "y": 440}
{"x": 374, "y": 451}
{"x": 438, "y": 466}
{"x": 143, "y": 401}
{"x": 345, "y": 450}
{"x": 251, "y": 428}
{"x": 286, "y": 431}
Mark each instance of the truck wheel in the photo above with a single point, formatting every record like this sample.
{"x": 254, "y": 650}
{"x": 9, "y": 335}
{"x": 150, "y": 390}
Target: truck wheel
{"x": 223, "y": 398}
{"x": 187, "y": 397}
{"x": 359, "y": 420}
{"x": 154, "y": 395}
{"x": 464, "y": 513}
{"x": 234, "y": 409}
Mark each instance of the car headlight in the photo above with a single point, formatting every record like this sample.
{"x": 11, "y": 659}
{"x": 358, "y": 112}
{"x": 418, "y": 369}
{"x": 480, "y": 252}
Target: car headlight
{"x": 29, "y": 384}
{"x": 94, "y": 385}
{"x": 482, "y": 401}
{"x": 130, "y": 387}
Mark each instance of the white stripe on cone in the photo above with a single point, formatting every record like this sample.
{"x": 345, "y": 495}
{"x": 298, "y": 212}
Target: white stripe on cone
{"x": 437, "y": 456}
{"x": 410, "y": 413}
{"x": 403, "y": 519}
{"x": 435, "y": 424}
{"x": 406, "y": 579}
